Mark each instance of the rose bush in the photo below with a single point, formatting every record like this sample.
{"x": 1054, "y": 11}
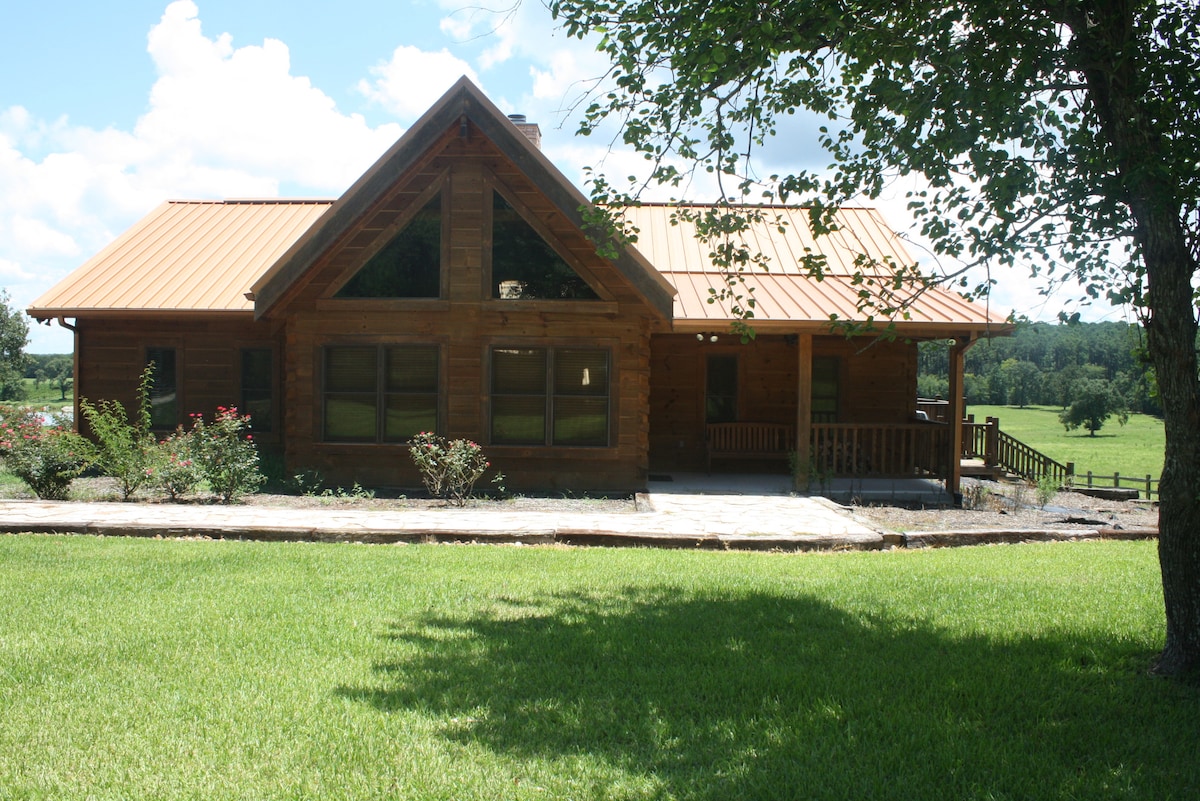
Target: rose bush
{"x": 225, "y": 452}
{"x": 46, "y": 458}
{"x": 448, "y": 469}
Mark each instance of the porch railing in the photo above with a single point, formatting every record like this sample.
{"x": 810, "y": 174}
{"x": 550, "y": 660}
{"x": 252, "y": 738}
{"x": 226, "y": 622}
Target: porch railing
{"x": 881, "y": 449}
{"x": 842, "y": 449}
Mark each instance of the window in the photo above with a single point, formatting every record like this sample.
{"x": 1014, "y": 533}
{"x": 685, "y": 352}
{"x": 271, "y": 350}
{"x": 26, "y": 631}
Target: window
{"x": 720, "y": 389}
{"x": 550, "y": 396}
{"x": 524, "y": 265}
{"x": 407, "y": 267}
{"x": 825, "y": 381}
{"x": 257, "y": 388}
{"x": 164, "y": 399}
{"x": 383, "y": 393}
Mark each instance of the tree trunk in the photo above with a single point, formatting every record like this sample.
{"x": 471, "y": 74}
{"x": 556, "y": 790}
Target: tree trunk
{"x": 1171, "y": 333}
{"x": 1140, "y": 148}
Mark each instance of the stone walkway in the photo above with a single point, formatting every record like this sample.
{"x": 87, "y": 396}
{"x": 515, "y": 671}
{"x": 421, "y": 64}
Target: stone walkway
{"x": 665, "y": 520}
{"x": 684, "y": 521}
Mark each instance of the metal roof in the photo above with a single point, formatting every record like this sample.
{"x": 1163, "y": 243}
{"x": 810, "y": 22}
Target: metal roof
{"x": 204, "y": 256}
{"x": 784, "y": 293}
{"x": 184, "y": 256}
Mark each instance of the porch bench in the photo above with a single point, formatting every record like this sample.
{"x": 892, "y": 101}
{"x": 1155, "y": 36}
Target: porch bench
{"x": 749, "y": 441}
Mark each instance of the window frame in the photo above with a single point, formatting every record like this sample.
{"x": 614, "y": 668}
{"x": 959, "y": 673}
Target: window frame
{"x": 493, "y": 186}
{"x": 272, "y": 387}
{"x": 549, "y": 397}
{"x": 176, "y": 384}
{"x": 381, "y": 394}
{"x": 834, "y": 365}
{"x": 329, "y": 299}
{"x": 734, "y": 396}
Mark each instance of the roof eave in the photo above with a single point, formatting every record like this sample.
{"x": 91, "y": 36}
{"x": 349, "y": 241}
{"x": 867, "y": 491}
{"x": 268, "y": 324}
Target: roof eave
{"x": 45, "y": 314}
{"x": 910, "y": 328}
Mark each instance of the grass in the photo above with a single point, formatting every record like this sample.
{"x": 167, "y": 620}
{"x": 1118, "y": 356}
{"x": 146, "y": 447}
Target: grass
{"x": 1135, "y": 449}
{"x": 45, "y": 395}
{"x": 138, "y": 669}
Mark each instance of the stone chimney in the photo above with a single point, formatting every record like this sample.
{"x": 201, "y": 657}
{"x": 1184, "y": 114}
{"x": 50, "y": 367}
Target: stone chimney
{"x": 530, "y": 130}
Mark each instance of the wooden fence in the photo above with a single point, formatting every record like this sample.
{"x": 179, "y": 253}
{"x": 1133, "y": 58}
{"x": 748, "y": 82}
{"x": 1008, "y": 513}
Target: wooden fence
{"x": 986, "y": 441}
{"x": 1148, "y": 485}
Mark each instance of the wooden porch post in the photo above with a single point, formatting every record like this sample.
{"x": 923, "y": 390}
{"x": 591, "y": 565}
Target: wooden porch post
{"x": 803, "y": 407}
{"x": 957, "y": 410}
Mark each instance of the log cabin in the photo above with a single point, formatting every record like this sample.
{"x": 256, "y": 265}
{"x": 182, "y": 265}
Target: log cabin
{"x": 454, "y": 288}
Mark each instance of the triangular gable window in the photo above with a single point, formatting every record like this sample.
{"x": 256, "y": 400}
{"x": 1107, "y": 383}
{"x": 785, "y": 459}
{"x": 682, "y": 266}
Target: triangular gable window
{"x": 524, "y": 265}
{"x": 407, "y": 267}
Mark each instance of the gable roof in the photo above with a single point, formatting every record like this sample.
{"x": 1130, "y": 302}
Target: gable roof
{"x": 242, "y": 256}
{"x": 463, "y": 102}
{"x": 183, "y": 257}
{"x": 785, "y": 295}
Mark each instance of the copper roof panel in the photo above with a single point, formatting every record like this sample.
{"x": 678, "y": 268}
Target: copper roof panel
{"x": 784, "y": 238}
{"x": 784, "y": 293}
{"x": 794, "y": 300}
{"x": 184, "y": 256}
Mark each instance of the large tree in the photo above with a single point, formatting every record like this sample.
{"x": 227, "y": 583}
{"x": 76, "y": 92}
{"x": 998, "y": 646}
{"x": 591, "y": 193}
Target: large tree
{"x": 14, "y": 336}
{"x": 1094, "y": 400}
{"x": 1060, "y": 134}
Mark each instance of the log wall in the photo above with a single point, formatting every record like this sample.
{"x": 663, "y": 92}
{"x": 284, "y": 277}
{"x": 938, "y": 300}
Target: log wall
{"x": 466, "y": 323}
{"x": 110, "y": 357}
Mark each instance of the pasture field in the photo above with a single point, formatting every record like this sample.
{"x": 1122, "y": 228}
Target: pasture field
{"x": 1135, "y": 449}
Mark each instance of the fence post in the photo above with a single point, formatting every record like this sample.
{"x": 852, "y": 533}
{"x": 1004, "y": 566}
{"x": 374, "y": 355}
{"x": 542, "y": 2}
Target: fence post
{"x": 1089, "y": 479}
{"x": 1116, "y": 480}
{"x": 1147, "y": 486}
{"x": 1069, "y": 479}
{"x": 991, "y": 444}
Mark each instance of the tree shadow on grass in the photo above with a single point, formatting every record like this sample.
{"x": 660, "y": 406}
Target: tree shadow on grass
{"x": 765, "y": 696}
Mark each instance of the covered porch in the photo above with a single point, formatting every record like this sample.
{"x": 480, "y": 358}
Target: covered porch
{"x": 819, "y": 412}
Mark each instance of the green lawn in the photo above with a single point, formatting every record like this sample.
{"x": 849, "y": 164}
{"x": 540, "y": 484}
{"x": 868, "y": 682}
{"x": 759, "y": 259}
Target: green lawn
{"x": 1135, "y": 449}
{"x": 44, "y": 395}
{"x": 140, "y": 669}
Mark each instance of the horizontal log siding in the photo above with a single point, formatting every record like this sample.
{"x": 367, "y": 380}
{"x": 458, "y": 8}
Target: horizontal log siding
{"x": 465, "y": 323}
{"x": 877, "y": 385}
{"x": 111, "y": 358}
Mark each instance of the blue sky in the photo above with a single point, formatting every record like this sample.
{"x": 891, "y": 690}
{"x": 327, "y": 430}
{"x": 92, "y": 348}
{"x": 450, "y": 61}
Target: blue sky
{"x": 107, "y": 109}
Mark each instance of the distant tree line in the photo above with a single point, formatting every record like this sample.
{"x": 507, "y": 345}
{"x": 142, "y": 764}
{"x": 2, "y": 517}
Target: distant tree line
{"x": 1048, "y": 364}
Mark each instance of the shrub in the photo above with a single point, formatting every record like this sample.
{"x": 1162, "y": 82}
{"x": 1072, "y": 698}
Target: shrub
{"x": 307, "y": 482}
{"x": 1047, "y": 488}
{"x": 975, "y": 496}
{"x": 225, "y": 452}
{"x": 125, "y": 450}
{"x": 46, "y": 459}
{"x": 176, "y": 470}
{"x": 448, "y": 469}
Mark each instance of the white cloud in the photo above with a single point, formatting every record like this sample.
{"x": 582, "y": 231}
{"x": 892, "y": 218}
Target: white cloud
{"x": 11, "y": 272}
{"x": 413, "y": 79}
{"x": 242, "y": 109}
{"x": 502, "y": 27}
{"x": 37, "y": 238}
{"x": 221, "y": 121}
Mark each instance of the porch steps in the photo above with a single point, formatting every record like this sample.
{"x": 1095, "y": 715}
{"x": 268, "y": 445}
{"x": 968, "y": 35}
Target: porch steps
{"x": 975, "y": 468}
